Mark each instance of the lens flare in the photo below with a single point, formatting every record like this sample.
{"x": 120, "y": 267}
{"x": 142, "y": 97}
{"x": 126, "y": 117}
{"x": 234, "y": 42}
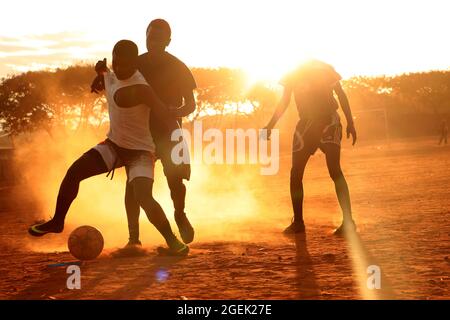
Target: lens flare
{"x": 162, "y": 275}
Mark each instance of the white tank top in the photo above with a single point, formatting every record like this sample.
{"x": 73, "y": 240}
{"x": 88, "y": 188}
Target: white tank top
{"x": 129, "y": 127}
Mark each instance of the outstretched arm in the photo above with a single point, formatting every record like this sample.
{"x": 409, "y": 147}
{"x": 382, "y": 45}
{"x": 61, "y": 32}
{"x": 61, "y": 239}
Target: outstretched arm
{"x": 143, "y": 94}
{"x": 345, "y": 105}
{"x": 98, "y": 84}
{"x": 280, "y": 109}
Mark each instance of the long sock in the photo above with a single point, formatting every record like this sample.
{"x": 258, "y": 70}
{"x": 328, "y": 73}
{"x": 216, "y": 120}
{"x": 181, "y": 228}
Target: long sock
{"x": 157, "y": 217}
{"x": 133, "y": 210}
{"x": 142, "y": 188}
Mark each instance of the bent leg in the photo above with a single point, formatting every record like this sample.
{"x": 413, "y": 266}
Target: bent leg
{"x": 89, "y": 164}
{"x": 178, "y": 195}
{"x": 177, "y": 192}
{"x": 174, "y": 178}
{"x": 333, "y": 158}
{"x": 142, "y": 189}
{"x": 174, "y": 175}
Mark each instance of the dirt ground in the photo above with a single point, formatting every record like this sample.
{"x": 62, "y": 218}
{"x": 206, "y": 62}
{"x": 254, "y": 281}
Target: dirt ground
{"x": 401, "y": 203}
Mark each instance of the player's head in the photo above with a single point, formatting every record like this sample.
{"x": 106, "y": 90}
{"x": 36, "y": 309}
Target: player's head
{"x": 125, "y": 55}
{"x": 158, "y": 35}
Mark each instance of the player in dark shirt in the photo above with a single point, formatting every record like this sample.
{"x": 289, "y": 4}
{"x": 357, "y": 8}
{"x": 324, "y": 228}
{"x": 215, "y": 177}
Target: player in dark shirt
{"x": 313, "y": 85}
{"x": 173, "y": 83}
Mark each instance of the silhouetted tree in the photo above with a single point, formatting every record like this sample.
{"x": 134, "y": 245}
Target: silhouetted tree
{"x": 62, "y": 99}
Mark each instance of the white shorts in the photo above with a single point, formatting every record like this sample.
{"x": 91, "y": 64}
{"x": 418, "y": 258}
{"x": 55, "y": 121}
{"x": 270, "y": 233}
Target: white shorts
{"x": 137, "y": 163}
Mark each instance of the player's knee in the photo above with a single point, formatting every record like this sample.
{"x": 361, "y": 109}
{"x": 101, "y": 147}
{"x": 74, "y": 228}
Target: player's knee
{"x": 175, "y": 183}
{"x": 296, "y": 174}
{"x": 142, "y": 195}
{"x": 336, "y": 174}
{"x": 142, "y": 190}
{"x": 73, "y": 174}
{"x": 176, "y": 186}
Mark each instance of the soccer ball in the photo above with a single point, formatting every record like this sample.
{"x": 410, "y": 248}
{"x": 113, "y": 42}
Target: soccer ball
{"x": 85, "y": 243}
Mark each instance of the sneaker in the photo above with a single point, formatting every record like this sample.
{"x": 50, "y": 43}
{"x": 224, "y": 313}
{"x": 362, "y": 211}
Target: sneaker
{"x": 177, "y": 249}
{"x": 132, "y": 249}
{"x": 41, "y": 229}
{"x": 295, "y": 227}
{"x": 345, "y": 227}
{"x": 185, "y": 227}
{"x": 133, "y": 243}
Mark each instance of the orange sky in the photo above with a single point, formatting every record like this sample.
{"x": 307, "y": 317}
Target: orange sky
{"x": 264, "y": 37}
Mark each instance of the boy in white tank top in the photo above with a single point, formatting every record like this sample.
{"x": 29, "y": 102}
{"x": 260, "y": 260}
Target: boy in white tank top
{"x": 129, "y": 144}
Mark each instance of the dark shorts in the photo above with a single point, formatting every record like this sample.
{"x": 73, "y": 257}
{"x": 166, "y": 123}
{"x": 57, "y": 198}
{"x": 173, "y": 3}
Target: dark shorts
{"x": 164, "y": 147}
{"x": 311, "y": 134}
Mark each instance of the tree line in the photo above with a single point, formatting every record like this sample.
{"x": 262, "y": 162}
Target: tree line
{"x": 62, "y": 100}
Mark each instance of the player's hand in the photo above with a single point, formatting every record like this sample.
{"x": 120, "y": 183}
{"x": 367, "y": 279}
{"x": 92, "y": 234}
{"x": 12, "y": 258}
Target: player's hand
{"x": 265, "y": 133}
{"x": 98, "y": 84}
{"x": 173, "y": 111}
{"x": 100, "y": 66}
{"x": 351, "y": 131}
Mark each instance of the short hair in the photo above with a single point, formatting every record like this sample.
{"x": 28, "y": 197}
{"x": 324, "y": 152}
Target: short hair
{"x": 161, "y": 24}
{"x": 126, "y": 48}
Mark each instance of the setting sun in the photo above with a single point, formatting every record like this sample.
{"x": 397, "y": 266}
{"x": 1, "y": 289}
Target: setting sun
{"x": 265, "y": 38}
